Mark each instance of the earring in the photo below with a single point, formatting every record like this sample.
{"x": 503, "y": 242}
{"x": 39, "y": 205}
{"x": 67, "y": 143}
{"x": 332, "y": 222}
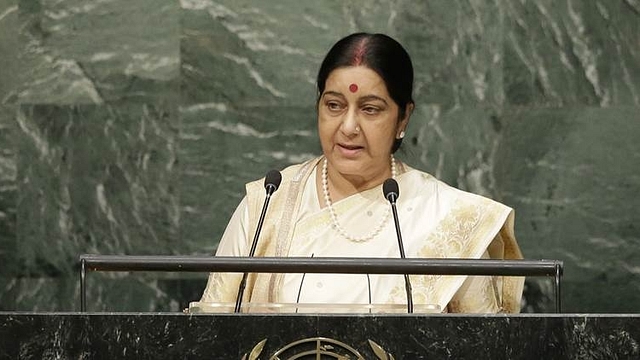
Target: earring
{"x": 401, "y": 134}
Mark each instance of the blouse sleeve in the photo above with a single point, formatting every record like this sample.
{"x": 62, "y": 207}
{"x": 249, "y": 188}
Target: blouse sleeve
{"x": 223, "y": 287}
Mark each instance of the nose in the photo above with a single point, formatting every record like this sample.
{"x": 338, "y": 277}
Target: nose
{"x": 350, "y": 125}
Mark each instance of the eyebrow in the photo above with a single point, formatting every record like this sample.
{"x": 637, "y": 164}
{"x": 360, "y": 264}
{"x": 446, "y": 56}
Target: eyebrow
{"x": 334, "y": 93}
{"x": 360, "y": 99}
{"x": 372, "y": 97}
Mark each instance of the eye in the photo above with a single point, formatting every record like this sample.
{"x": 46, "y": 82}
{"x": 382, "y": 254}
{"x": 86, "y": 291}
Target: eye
{"x": 333, "y": 105}
{"x": 370, "y": 110}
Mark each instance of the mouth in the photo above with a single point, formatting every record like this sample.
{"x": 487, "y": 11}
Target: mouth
{"x": 351, "y": 147}
{"x": 349, "y": 150}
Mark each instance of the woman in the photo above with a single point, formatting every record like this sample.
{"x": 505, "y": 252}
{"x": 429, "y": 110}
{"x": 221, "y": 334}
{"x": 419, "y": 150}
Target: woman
{"x": 333, "y": 205}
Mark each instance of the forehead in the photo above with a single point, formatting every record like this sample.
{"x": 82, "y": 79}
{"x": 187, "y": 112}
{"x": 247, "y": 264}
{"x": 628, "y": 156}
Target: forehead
{"x": 365, "y": 79}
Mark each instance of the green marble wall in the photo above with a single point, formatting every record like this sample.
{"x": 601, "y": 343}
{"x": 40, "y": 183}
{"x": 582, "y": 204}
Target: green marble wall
{"x": 129, "y": 127}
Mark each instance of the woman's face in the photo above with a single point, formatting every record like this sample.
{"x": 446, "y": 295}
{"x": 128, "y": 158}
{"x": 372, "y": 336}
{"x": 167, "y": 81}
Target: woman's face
{"x": 358, "y": 123}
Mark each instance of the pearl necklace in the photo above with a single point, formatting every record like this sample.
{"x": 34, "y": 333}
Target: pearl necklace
{"x": 334, "y": 216}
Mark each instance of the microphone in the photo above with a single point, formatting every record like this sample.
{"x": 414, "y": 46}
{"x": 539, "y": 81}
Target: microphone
{"x": 391, "y": 193}
{"x": 271, "y": 183}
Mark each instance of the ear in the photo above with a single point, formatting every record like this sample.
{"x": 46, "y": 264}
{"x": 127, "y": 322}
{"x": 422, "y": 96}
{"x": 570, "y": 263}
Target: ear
{"x": 409, "y": 111}
{"x": 404, "y": 122}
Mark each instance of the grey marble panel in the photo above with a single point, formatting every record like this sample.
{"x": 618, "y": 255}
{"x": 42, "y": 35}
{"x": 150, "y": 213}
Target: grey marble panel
{"x": 222, "y": 148}
{"x": 457, "y": 51}
{"x": 253, "y": 53}
{"x": 79, "y": 52}
{"x": 9, "y": 47}
{"x": 571, "y": 52}
{"x": 110, "y": 292}
{"x": 95, "y": 179}
{"x": 458, "y": 146}
{"x": 572, "y": 174}
{"x": 270, "y": 53}
{"x": 8, "y": 190}
{"x": 38, "y": 293}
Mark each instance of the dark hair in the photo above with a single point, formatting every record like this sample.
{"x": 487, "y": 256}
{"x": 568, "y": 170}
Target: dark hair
{"x": 380, "y": 53}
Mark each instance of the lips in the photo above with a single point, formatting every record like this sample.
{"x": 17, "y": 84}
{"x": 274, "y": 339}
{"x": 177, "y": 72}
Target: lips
{"x": 349, "y": 150}
{"x": 351, "y": 147}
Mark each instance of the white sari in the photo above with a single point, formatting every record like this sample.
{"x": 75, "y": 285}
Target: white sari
{"x": 437, "y": 221}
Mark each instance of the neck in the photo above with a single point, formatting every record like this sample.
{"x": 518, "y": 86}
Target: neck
{"x": 344, "y": 185}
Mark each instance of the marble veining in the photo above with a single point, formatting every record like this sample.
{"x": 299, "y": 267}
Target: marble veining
{"x": 169, "y": 336}
{"x": 131, "y": 127}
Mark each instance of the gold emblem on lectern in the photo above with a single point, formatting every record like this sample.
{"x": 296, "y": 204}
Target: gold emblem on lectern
{"x": 317, "y": 348}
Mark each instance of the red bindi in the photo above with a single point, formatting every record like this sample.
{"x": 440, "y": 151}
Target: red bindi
{"x": 353, "y": 88}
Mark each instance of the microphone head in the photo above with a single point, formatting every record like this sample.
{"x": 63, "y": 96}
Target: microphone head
{"x": 391, "y": 190}
{"x": 272, "y": 180}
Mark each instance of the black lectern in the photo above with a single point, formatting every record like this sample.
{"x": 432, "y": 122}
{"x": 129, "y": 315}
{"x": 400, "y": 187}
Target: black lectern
{"x": 318, "y": 336}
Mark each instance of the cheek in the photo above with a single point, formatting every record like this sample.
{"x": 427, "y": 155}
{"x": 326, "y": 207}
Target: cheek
{"x": 325, "y": 130}
{"x": 381, "y": 138}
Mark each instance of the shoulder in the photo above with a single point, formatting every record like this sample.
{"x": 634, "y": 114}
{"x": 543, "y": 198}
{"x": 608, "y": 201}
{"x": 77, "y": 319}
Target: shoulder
{"x": 417, "y": 183}
{"x": 462, "y": 221}
{"x": 288, "y": 194}
{"x": 292, "y": 173}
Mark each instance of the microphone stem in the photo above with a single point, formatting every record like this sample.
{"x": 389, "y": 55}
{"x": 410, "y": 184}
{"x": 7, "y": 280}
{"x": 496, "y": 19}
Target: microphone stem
{"x": 407, "y": 282}
{"x": 254, "y": 245}
{"x": 398, "y": 234}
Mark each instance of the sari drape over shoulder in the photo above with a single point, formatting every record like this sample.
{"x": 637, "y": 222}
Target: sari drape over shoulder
{"x": 437, "y": 221}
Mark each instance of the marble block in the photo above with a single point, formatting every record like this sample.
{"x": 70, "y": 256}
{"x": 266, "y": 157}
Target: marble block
{"x": 171, "y": 336}
{"x": 131, "y": 127}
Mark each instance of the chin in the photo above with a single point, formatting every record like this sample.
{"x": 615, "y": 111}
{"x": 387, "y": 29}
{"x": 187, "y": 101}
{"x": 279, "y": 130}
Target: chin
{"x": 341, "y": 161}
{"x": 350, "y": 167}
